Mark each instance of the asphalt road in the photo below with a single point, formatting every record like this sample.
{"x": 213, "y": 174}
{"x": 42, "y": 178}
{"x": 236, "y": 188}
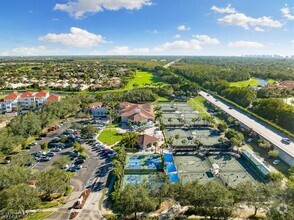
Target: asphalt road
{"x": 263, "y": 130}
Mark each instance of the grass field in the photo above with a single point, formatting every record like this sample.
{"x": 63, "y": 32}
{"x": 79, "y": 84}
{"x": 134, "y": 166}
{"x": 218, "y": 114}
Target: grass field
{"x": 38, "y": 215}
{"x": 142, "y": 78}
{"x": 250, "y": 82}
{"x": 198, "y": 104}
{"x": 110, "y": 135}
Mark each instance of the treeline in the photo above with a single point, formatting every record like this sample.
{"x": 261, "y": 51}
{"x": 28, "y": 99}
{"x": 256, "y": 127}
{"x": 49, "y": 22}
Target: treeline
{"x": 237, "y": 68}
{"x": 276, "y": 111}
{"x": 202, "y": 73}
{"x": 179, "y": 84}
{"x": 243, "y": 96}
{"x": 212, "y": 200}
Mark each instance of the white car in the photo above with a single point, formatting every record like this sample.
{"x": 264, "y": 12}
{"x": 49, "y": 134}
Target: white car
{"x": 276, "y": 162}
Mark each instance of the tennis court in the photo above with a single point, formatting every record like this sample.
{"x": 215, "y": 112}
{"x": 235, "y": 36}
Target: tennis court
{"x": 177, "y": 106}
{"x": 189, "y": 136}
{"x": 232, "y": 170}
{"x": 143, "y": 162}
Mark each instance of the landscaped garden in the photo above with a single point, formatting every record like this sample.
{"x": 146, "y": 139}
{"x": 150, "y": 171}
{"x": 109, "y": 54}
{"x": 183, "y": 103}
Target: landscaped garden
{"x": 110, "y": 135}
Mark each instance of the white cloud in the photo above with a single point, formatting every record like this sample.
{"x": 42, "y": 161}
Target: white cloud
{"x": 125, "y": 50}
{"x": 31, "y": 51}
{"x": 78, "y": 8}
{"x": 258, "y": 29}
{"x": 205, "y": 39}
{"x": 233, "y": 17}
{"x": 76, "y": 38}
{"x": 179, "y": 47}
{"x": 286, "y": 13}
{"x": 245, "y": 21}
{"x": 248, "y": 44}
{"x": 227, "y": 10}
{"x": 177, "y": 36}
{"x": 183, "y": 28}
{"x": 292, "y": 41}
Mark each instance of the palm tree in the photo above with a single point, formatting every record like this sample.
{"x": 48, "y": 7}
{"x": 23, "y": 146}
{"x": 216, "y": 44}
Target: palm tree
{"x": 177, "y": 136}
{"x": 155, "y": 144}
{"x": 158, "y": 115}
{"x": 170, "y": 121}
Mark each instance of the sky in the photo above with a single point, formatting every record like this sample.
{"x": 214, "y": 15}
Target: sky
{"x": 146, "y": 27}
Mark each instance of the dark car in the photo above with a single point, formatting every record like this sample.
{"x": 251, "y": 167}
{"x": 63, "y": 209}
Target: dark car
{"x": 80, "y": 161}
{"x": 56, "y": 149}
{"x": 45, "y": 158}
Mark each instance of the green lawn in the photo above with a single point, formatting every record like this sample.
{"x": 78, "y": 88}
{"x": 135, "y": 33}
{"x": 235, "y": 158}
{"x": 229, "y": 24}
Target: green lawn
{"x": 142, "y": 78}
{"x": 250, "y": 82}
{"x": 38, "y": 215}
{"x": 198, "y": 104}
{"x": 110, "y": 135}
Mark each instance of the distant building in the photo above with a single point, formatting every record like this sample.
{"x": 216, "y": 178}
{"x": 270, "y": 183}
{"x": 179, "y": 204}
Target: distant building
{"x": 97, "y": 109}
{"x": 24, "y": 101}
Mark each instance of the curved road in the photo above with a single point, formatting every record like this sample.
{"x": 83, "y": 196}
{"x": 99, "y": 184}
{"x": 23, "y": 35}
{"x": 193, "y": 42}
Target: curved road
{"x": 275, "y": 137}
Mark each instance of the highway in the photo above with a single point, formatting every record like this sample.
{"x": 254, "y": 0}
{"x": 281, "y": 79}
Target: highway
{"x": 263, "y": 130}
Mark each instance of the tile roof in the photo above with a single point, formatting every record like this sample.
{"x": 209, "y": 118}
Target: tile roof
{"x": 27, "y": 95}
{"x": 53, "y": 98}
{"x": 11, "y": 96}
{"x": 145, "y": 139}
{"x": 41, "y": 94}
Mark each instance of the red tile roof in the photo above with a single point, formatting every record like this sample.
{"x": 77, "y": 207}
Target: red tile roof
{"x": 53, "y": 98}
{"x": 41, "y": 94}
{"x": 11, "y": 96}
{"x": 145, "y": 139}
{"x": 27, "y": 95}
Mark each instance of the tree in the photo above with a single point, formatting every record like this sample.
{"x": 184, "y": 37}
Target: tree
{"x": 89, "y": 130}
{"x": 13, "y": 175}
{"x": 63, "y": 139}
{"x": 255, "y": 195}
{"x": 51, "y": 181}
{"x": 275, "y": 176}
{"x": 133, "y": 199}
{"x": 18, "y": 199}
{"x": 22, "y": 159}
{"x": 61, "y": 162}
{"x": 274, "y": 153}
{"x": 170, "y": 120}
{"x": 222, "y": 127}
{"x": 44, "y": 146}
{"x": 177, "y": 136}
{"x": 129, "y": 140}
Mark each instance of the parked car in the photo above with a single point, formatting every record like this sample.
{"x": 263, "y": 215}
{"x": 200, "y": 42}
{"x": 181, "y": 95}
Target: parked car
{"x": 39, "y": 138}
{"x": 56, "y": 149}
{"x": 7, "y": 160}
{"x": 276, "y": 162}
{"x": 286, "y": 140}
{"x": 51, "y": 154}
{"x": 45, "y": 158}
{"x": 79, "y": 161}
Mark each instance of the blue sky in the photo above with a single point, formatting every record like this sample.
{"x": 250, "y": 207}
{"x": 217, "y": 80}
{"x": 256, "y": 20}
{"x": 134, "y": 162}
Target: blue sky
{"x": 146, "y": 27}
